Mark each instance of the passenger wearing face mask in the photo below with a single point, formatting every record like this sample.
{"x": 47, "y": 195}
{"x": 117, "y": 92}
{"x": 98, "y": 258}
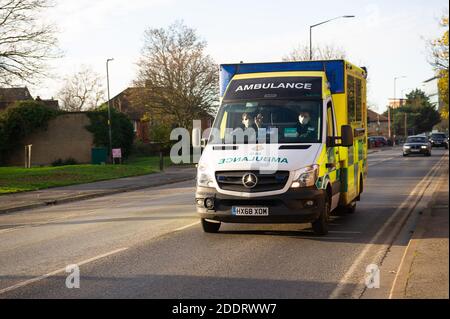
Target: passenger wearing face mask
{"x": 304, "y": 127}
{"x": 247, "y": 122}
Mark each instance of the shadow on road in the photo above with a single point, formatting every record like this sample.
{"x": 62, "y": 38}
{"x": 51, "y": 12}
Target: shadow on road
{"x": 172, "y": 286}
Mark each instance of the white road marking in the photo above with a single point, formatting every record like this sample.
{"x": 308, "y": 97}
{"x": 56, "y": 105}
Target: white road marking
{"x": 418, "y": 190}
{"x": 47, "y": 222}
{"x": 379, "y": 162}
{"x": 53, "y": 273}
{"x": 186, "y": 227}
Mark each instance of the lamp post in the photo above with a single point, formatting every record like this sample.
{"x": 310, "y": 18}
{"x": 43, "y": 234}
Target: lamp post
{"x": 109, "y": 109}
{"x": 320, "y": 23}
{"x": 402, "y": 99}
{"x": 389, "y": 109}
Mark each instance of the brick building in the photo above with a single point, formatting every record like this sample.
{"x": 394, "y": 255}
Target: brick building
{"x": 377, "y": 124}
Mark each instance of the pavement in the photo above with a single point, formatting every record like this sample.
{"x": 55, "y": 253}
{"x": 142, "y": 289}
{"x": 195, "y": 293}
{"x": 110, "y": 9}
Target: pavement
{"x": 424, "y": 272}
{"x": 59, "y": 195}
{"x": 149, "y": 244}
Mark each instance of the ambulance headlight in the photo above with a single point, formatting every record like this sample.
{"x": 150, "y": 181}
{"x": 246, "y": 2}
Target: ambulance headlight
{"x": 203, "y": 177}
{"x": 305, "y": 177}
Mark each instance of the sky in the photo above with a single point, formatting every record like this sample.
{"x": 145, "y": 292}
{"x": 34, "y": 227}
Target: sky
{"x": 388, "y": 37}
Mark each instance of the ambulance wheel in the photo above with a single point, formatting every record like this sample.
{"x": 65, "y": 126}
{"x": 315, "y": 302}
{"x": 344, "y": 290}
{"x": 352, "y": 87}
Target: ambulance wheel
{"x": 320, "y": 226}
{"x": 351, "y": 208}
{"x": 210, "y": 227}
{"x": 348, "y": 209}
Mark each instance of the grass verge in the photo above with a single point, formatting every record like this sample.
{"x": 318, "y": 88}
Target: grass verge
{"x": 16, "y": 179}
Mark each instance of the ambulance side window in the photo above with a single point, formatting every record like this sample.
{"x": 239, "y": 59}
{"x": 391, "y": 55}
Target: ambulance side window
{"x": 330, "y": 120}
{"x": 351, "y": 99}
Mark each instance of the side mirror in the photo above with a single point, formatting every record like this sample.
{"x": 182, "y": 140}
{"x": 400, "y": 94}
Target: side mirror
{"x": 346, "y": 136}
{"x": 204, "y": 142}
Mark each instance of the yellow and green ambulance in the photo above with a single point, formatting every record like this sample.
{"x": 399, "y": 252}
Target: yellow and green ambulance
{"x": 288, "y": 145}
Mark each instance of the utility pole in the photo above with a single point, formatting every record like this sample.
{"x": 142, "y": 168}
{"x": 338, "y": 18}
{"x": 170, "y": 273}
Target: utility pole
{"x": 109, "y": 111}
{"x": 395, "y": 101}
{"x": 406, "y": 125}
{"x": 389, "y": 121}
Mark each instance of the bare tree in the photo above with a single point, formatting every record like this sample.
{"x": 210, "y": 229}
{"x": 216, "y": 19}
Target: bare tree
{"x": 81, "y": 91}
{"x": 178, "y": 78}
{"x": 327, "y": 52}
{"x": 26, "y": 44}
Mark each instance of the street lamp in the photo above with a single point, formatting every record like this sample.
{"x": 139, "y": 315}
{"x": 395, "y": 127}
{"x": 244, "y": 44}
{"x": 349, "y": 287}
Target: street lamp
{"x": 109, "y": 108}
{"x": 315, "y": 25}
{"x": 389, "y": 107}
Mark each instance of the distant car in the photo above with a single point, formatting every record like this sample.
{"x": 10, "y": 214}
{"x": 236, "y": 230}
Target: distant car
{"x": 377, "y": 141}
{"x": 439, "y": 140}
{"x": 417, "y": 145}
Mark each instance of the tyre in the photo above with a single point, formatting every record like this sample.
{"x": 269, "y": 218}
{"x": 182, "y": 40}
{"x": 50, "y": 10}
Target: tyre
{"x": 404, "y": 155}
{"x": 345, "y": 210}
{"x": 320, "y": 226}
{"x": 351, "y": 208}
{"x": 428, "y": 154}
{"x": 210, "y": 227}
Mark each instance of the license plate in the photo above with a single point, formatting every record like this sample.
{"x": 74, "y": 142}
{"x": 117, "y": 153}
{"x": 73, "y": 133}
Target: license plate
{"x": 250, "y": 211}
{"x": 415, "y": 151}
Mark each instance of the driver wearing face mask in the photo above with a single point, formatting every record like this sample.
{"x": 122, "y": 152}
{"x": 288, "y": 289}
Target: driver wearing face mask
{"x": 304, "y": 127}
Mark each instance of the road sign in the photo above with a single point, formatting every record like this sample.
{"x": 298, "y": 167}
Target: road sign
{"x": 117, "y": 153}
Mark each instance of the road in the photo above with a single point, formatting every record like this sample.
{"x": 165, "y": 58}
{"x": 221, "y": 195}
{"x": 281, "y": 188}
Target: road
{"x": 149, "y": 244}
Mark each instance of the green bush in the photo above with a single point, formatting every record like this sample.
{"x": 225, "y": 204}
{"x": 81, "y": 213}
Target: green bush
{"x": 58, "y": 162}
{"x": 19, "y": 121}
{"x": 67, "y": 162}
{"x": 122, "y": 130}
{"x": 70, "y": 161}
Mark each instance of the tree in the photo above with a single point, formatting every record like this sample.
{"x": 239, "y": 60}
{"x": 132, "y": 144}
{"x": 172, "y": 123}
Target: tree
{"x": 327, "y": 52}
{"x": 19, "y": 121}
{"x": 26, "y": 44}
{"x": 440, "y": 62}
{"x": 178, "y": 78}
{"x": 82, "y": 91}
{"x": 122, "y": 129}
{"x": 421, "y": 115}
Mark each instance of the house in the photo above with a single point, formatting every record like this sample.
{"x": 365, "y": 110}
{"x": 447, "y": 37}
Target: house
{"x": 9, "y": 96}
{"x": 53, "y": 104}
{"x": 129, "y": 102}
{"x": 378, "y": 124}
{"x": 396, "y": 103}
{"x": 123, "y": 102}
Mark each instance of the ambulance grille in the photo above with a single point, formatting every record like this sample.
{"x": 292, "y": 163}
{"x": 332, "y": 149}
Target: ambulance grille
{"x": 233, "y": 181}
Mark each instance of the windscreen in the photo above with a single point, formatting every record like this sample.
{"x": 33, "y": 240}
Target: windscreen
{"x": 268, "y": 121}
{"x": 416, "y": 139}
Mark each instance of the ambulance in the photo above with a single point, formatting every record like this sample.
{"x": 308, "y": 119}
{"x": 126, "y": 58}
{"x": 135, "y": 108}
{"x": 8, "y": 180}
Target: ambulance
{"x": 288, "y": 145}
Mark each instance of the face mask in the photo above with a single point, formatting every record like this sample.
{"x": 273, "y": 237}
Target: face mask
{"x": 303, "y": 120}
